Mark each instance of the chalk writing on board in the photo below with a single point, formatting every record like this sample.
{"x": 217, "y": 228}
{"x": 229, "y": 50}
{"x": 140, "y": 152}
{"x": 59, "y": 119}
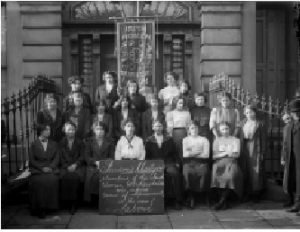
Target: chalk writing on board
{"x": 131, "y": 187}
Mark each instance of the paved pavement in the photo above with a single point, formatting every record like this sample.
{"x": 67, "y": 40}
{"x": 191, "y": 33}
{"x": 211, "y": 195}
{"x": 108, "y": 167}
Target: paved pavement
{"x": 266, "y": 215}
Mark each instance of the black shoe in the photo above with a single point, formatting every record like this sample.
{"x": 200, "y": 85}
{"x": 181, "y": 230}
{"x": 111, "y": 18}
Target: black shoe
{"x": 72, "y": 210}
{"x": 220, "y": 205}
{"x": 225, "y": 206}
{"x": 288, "y": 203}
{"x": 178, "y": 206}
{"x": 42, "y": 214}
{"x": 294, "y": 209}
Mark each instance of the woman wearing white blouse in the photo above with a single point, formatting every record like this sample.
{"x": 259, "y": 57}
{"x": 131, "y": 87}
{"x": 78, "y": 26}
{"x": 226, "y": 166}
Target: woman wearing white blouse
{"x": 178, "y": 122}
{"x": 196, "y": 170}
{"x": 130, "y": 147}
{"x": 170, "y": 92}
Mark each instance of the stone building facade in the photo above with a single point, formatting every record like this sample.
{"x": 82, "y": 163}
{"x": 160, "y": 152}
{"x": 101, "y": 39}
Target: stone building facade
{"x": 252, "y": 42}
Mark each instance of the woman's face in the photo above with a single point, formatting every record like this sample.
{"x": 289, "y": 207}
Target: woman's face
{"x": 170, "y": 80}
{"x": 101, "y": 108}
{"x": 46, "y": 133}
{"x": 250, "y": 114}
{"x": 76, "y": 85}
{"x": 153, "y": 103}
{"x": 99, "y": 131}
{"x": 224, "y": 129}
{"x": 225, "y": 102}
{"x": 129, "y": 129}
{"x": 78, "y": 101}
{"x": 124, "y": 103}
{"x": 286, "y": 118}
{"x": 184, "y": 88}
{"x": 109, "y": 79}
{"x": 51, "y": 104}
{"x": 193, "y": 130}
{"x": 70, "y": 130}
{"x": 200, "y": 101}
{"x": 158, "y": 128}
{"x": 132, "y": 88}
{"x": 179, "y": 105}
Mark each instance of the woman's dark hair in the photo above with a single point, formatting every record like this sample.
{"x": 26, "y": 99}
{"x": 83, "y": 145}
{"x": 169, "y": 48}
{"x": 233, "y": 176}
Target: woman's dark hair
{"x": 173, "y": 74}
{"x": 101, "y": 102}
{"x": 102, "y": 125}
{"x": 187, "y": 83}
{"x": 175, "y": 101}
{"x": 69, "y": 123}
{"x": 128, "y": 100}
{"x": 133, "y": 82}
{"x": 78, "y": 95}
{"x": 51, "y": 96}
{"x": 111, "y": 73}
{"x": 226, "y": 94}
{"x": 126, "y": 121}
{"x": 162, "y": 122}
{"x": 200, "y": 94}
{"x": 42, "y": 127}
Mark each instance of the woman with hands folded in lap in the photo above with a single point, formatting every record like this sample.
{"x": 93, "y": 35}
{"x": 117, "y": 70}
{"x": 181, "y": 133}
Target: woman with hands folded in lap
{"x": 226, "y": 174}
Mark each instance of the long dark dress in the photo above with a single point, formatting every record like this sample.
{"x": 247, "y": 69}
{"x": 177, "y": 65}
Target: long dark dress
{"x": 56, "y": 125}
{"x": 43, "y": 187}
{"x": 69, "y": 101}
{"x": 167, "y": 152}
{"x": 226, "y": 173}
{"x": 110, "y": 98}
{"x": 108, "y": 121}
{"x": 95, "y": 153}
{"x": 71, "y": 182}
{"x": 147, "y": 121}
{"x": 138, "y": 102}
{"x": 201, "y": 115}
{"x": 250, "y": 160}
{"x": 291, "y": 180}
{"x": 118, "y": 119}
{"x": 82, "y": 121}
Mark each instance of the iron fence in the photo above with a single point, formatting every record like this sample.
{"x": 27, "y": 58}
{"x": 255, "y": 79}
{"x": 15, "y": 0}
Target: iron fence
{"x": 18, "y": 114}
{"x": 270, "y": 112}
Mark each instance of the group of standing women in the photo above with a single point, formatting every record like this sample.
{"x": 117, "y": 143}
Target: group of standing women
{"x": 202, "y": 149}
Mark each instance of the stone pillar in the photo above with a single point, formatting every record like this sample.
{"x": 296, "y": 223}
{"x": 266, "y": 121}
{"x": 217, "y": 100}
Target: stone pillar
{"x": 221, "y": 40}
{"x": 42, "y": 39}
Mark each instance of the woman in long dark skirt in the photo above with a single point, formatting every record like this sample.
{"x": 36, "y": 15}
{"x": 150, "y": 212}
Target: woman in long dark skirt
{"x": 72, "y": 171}
{"x": 161, "y": 146}
{"x": 97, "y": 148}
{"x": 44, "y": 180}
{"x": 52, "y": 116}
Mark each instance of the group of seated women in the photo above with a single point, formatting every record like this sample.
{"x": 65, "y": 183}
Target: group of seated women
{"x": 199, "y": 147}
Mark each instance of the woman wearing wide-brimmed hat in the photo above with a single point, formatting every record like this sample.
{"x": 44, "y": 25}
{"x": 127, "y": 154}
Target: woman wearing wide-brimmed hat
{"x": 76, "y": 83}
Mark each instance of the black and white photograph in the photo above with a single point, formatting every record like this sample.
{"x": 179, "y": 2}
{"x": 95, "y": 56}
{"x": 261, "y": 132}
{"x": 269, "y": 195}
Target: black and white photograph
{"x": 150, "y": 115}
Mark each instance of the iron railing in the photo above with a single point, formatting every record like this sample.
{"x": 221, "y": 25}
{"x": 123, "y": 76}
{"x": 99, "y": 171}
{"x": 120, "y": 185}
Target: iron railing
{"x": 18, "y": 114}
{"x": 269, "y": 113}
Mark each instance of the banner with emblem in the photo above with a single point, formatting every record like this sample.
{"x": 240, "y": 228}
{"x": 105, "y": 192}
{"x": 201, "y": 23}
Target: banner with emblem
{"x": 136, "y": 52}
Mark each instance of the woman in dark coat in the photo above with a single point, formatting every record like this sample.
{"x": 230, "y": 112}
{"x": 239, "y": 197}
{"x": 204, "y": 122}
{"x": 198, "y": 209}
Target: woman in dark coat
{"x": 43, "y": 165}
{"x": 121, "y": 114}
{"x": 161, "y": 146}
{"x": 291, "y": 159}
{"x": 102, "y": 116}
{"x": 251, "y": 158}
{"x": 76, "y": 87}
{"x": 72, "y": 170}
{"x": 149, "y": 116}
{"x": 138, "y": 102}
{"x": 80, "y": 116}
{"x": 108, "y": 91}
{"x": 97, "y": 148}
{"x": 53, "y": 116}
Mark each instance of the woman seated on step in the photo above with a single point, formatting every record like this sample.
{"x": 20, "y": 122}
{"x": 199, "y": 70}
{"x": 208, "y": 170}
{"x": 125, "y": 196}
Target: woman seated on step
{"x": 226, "y": 174}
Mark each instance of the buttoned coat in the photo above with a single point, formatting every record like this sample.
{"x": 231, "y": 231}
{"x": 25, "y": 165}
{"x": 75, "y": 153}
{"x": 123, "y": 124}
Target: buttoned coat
{"x": 74, "y": 156}
{"x": 291, "y": 130}
{"x": 95, "y": 153}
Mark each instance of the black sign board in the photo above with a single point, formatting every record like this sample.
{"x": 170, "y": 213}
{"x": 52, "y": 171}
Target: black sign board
{"x": 131, "y": 187}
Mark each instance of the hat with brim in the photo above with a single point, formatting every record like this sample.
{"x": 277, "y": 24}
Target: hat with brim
{"x": 72, "y": 79}
{"x": 294, "y": 105}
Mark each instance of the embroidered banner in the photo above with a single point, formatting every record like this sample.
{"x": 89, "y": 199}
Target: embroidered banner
{"x": 136, "y": 52}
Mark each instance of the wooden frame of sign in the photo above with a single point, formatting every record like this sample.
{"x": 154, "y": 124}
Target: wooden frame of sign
{"x": 131, "y": 187}
{"x": 136, "y": 52}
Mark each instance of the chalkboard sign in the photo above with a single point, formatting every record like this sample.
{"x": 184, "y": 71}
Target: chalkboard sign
{"x": 131, "y": 187}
